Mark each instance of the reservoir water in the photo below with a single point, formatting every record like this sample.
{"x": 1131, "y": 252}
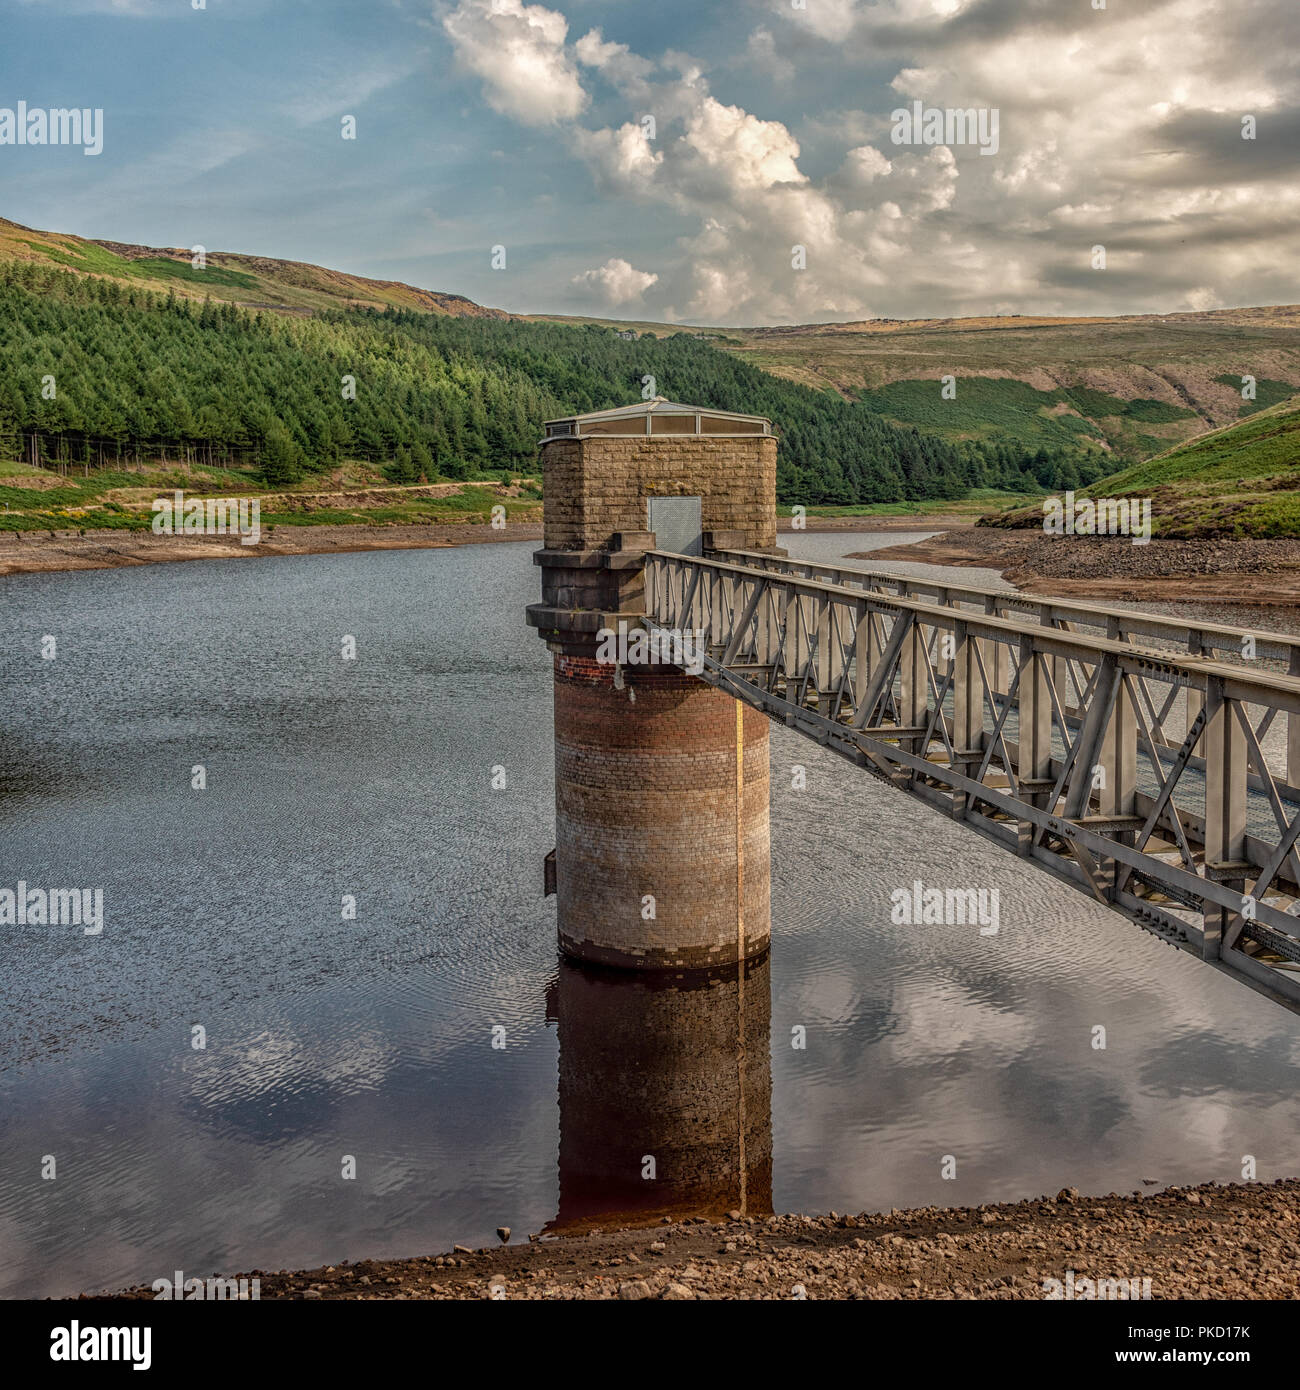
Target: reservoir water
{"x": 433, "y": 1043}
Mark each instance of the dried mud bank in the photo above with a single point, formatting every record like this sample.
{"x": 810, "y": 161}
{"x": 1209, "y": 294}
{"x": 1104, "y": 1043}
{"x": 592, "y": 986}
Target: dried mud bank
{"x": 1258, "y": 572}
{"x": 1235, "y": 1242}
{"x": 40, "y": 552}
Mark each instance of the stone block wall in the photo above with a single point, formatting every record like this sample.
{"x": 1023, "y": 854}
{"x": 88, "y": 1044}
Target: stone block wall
{"x": 596, "y": 487}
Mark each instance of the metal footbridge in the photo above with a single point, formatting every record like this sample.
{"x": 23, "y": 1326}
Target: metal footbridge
{"x": 1153, "y": 765}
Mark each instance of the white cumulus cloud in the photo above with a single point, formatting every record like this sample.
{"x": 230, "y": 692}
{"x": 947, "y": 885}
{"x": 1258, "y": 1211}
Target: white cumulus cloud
{"x": 519, "y": 52}
{"x": 1119, "y": 127}
{"x": 616, "y": 282}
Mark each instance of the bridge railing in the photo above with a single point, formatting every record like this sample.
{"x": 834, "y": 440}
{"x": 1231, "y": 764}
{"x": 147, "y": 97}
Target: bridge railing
{"x": 1055, "y": 742}
{"x": 1251, "y": 647}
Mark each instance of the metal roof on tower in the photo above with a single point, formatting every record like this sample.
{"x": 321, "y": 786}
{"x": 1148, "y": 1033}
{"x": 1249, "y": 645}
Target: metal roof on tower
{"x": 657, "y": 417}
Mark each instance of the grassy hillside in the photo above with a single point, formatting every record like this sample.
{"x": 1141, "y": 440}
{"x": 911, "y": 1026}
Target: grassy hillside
{"x": 1129, "y": 387}
{"x": 1134, "y": 385}
{"x": 37, "y": 499}
{"x": 257, "y": 282}
{"x": 1242, "y": 480}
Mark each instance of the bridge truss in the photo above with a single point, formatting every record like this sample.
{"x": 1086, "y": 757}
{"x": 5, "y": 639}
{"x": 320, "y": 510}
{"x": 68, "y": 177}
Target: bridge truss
{"x": 1158, "y": 780}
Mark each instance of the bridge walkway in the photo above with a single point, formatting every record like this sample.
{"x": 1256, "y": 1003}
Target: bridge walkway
{"x": 1147, "y": 763}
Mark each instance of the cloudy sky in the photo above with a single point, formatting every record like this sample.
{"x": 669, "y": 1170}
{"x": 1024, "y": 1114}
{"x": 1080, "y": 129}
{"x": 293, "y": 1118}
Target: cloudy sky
{"x": 485, "y": 123}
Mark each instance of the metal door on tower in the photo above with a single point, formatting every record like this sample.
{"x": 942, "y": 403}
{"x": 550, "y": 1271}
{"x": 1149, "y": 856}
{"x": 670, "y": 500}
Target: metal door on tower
{"x": 677, "y": 524}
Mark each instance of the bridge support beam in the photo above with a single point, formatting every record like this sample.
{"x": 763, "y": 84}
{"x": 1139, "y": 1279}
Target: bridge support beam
{"x": 1035, "y": 726}
{"x": 1194, "y": 700}
{"x": 913, "y": 678}
{"x": 1224, "y": 742}
{"x": 996, "y": 656}
{"x": 968, "y": 709}
{"x": 1117, "y": 793}
{"x": 1293, "y": 730}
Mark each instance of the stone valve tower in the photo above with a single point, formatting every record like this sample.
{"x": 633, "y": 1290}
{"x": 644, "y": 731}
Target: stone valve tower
{"x": 661, "y": 780}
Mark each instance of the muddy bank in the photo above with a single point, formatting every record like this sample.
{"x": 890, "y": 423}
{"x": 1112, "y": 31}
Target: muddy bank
{"x": 919, "y": 522}
{"x": 1263, "y": 573}
{"x": 1235, "y": 1242}
{"x": 40, "y": 552}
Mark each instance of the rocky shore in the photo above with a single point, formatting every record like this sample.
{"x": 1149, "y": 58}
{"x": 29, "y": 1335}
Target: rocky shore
{"x": 1112, "y": 567}
{"x": 1240, "y": 1241}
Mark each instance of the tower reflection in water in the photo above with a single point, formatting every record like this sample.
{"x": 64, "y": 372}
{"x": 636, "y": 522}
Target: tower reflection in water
{"x": 665, "y": 1094}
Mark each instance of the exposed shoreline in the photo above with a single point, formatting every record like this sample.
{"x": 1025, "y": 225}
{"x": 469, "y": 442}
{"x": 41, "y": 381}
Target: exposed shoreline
{"x": 1260, "y": 573}
{"x": 1103, "y": 568}
{"x": 39, "y": 552}
{"x": 1240, "y": 1241}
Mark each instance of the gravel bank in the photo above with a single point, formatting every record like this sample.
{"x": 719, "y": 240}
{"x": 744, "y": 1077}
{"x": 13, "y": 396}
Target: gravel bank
{"x": 1106, "y": 567}
{"x": 1240, "y": 1241}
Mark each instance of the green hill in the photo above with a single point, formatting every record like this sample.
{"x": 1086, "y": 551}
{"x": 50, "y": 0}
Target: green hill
{"x": 236, "y": 363}
{"x": 1242, "y": 480}
{"x": 100, "y": 374}
{"x": 257, "y": 282}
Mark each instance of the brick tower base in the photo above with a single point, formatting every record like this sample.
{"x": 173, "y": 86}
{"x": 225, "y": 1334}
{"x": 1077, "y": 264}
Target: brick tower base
{"x": 661, "y": 811}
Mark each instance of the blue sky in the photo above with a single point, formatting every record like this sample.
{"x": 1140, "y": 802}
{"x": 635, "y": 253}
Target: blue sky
{"x": 495, "y": 122}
